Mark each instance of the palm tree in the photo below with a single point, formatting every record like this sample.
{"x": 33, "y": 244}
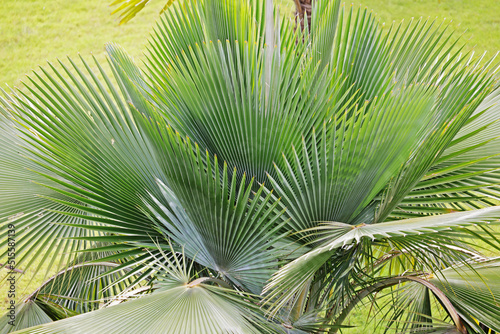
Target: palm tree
{"x": 252, "y": 182}
{"x": 303, "y": 12}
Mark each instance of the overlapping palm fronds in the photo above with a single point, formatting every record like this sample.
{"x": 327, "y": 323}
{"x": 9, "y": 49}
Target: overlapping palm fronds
{"x": 257, "y": 177}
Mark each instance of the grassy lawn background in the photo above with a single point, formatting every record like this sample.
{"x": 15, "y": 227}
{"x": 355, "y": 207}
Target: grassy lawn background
{"x": 34, "y": 31}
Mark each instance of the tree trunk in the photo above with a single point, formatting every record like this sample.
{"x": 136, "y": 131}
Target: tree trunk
{"x": 302, "y": 10}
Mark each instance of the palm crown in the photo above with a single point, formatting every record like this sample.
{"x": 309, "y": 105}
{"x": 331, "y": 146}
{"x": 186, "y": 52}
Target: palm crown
{"x": 256, "y": 177}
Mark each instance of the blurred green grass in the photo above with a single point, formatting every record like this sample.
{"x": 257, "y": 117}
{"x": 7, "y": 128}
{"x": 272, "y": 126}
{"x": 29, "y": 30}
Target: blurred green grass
{"x": 34, "y": 31}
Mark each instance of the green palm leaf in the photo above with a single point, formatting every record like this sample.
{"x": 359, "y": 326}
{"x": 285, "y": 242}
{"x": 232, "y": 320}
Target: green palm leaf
{"x": 352, "y": 159}
{"x": 24, "y": 203}
{"x": 462, "y": 93}
{"x": 75, "y": 290}
{"x": 414, "y": 235}
{"x": 214, "y": 87}
{"x": 178, "y": 304}
{"x": 474, "y": 292}
{"x": 468, "y": 168}
{"x": 128, "y": 9}
{"x": 28, "y": 314}
{"x": 199, "y": 309}
{"x": 218, "y": 221}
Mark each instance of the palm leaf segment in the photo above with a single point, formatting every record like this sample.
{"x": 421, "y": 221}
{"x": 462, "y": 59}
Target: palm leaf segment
{"x": 352, "y": 159}
{"x": 468, "y": 166}
{"x": 211, "y": 83}
{"x": 474, "y": 292}
{"x": 179, "y": 303}
{"x": 77, "y": 170}
{"x": 219, "y": 222}
{"x": 471, "y": 290}
{"x": 78, "y": 289}
{"x": 409, "y": 235}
